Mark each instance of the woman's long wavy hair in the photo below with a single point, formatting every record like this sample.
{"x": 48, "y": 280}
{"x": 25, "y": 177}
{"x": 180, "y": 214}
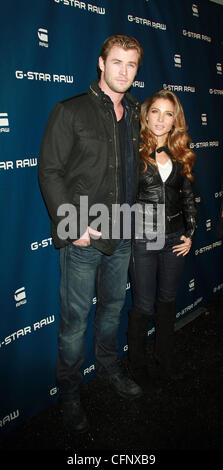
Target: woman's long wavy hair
{"x": 177, "y": 139}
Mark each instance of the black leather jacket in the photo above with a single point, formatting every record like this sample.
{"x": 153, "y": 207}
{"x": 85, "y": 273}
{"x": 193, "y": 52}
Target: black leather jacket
{"x": 78, "y": 156}
{"x": 176, "y": 194}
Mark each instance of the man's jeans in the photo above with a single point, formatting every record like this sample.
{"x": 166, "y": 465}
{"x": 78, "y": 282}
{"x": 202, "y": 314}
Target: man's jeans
{"x": 155, "y": 274}
{"x": 84, "y": 269}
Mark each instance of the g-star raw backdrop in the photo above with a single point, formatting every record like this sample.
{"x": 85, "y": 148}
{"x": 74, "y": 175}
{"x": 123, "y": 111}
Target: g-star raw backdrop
{"x": 49, "y": 53}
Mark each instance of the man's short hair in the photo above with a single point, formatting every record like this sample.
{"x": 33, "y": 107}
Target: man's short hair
{"x": 121, "y": 40}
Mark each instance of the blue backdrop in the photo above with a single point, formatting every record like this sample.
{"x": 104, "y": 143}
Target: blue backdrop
{"x": 49, "y": 52}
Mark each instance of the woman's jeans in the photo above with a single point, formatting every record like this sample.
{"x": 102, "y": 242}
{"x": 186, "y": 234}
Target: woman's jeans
{"x": 155, "y": 274}
{"x": 84, "y": 270}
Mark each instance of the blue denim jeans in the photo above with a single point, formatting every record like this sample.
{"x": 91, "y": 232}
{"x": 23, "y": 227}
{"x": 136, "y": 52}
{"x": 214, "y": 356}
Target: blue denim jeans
{"x": 155, "y": 274}
{"x": 84, "y": 269}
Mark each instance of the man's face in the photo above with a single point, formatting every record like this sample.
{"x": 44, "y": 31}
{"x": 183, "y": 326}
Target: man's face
{"x": 119, "y": 69}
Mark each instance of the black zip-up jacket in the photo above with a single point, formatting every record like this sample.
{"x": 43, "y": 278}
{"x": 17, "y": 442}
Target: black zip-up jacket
{"x": 79, "y": 157}
{"x": 176, "y": 194}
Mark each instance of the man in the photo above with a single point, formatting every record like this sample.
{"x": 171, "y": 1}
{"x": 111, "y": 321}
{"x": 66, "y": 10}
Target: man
{"x": 90, "y": 148}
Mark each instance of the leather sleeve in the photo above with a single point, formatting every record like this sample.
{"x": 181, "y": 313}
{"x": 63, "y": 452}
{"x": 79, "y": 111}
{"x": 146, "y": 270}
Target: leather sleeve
{"x": 56, "y": 149}
{"x": 189, "y": 207}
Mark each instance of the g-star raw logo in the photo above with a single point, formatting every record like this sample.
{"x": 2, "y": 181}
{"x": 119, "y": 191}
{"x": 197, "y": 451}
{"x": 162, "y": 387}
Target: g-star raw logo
{"x": 218, "y": 194}
{"x": 43, "y": 37}
{"x": 189, "y": 307}
{"x": 37, "y": 326}
{"x": 8, "y": 418}
{"x": 45, "y": 77}
{"x": 43, "y": 244}
{"x": 177, "y": 60}
{"x": 4, "y": 122}
{"x": 20, "y": 296}
{"x": 195, "y": 10}
{"x": 10, "y": 165}
{"x": 90, "y": 369}
{"x": 200, "y": 145}
{"x": 183, "y": 88}
{"x": 147, "y": 22}
{"x": 204, "y": 119}
{"x": 191, "y": 34}
{"x": 82, "y": 6}
{"x": 208, "y": 225}
{"x": 138, "y": 84}
{"x": 219, "y": 68}
{"x": 191, "y": 285}
{"x": 215, "y": 92}
{"x": 218, "y": 288}
{"x": 205, "y": 249}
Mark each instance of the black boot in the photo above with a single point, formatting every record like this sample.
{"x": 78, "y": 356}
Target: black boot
{"x": 74, "y": 417}
{"x": 164, "y": 338}
{"x": 137, "y": 336}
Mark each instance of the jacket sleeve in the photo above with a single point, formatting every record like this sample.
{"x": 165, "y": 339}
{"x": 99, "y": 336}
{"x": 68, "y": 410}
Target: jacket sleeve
{"x": 189, "y": 208}
{"x": 56, "y": 149}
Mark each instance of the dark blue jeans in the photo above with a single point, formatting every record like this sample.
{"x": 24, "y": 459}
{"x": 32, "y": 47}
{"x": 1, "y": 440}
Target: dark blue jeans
{"x": 84, "y": 269}
{"x": 155, "y": 274}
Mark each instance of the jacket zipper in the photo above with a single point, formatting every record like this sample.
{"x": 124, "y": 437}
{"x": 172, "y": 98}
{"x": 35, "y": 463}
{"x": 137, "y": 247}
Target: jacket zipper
{"x": 164, "y": 199}
{"x": 116, "y": 163}
{"x": 164, "y": 190}
{"x": 116, "y": 155}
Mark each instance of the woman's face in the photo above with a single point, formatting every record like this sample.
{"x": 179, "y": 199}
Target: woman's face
{"x": 160, "y": 117}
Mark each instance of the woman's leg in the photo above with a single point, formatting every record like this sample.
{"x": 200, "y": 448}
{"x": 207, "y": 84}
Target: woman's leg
{"x": 143, "y": 267}
{"x": 170, "y": 270}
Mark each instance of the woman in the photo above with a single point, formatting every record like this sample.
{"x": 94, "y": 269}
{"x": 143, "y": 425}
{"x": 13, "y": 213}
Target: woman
{"x": 166, "y": 199}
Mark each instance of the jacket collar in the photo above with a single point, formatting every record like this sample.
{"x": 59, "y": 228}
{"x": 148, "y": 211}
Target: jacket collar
{"x": 128, "y": 99}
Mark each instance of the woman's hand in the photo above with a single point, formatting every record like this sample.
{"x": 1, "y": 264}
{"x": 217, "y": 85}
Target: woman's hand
{"x": 184, "y": 248}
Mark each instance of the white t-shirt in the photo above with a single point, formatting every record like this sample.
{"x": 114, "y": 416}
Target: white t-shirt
{"x": 165, "y": 170}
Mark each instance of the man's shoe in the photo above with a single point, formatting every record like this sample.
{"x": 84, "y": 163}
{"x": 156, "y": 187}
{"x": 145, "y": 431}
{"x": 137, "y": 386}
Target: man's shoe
{"x": 74, "y": 416}
{"x": 124, "y": 386}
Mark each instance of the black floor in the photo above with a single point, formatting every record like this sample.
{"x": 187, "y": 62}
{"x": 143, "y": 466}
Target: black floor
{"x": 182, "y": 417}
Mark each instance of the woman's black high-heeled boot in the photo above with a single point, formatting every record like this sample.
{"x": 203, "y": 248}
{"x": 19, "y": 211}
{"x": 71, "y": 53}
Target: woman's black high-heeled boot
{"x": 137, "y": 337}
{"x": 164, "y": 337}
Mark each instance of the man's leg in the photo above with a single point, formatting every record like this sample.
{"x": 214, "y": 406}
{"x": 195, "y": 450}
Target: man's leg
{"x": 78, "y": 274}
{"x": 111, "y": 292}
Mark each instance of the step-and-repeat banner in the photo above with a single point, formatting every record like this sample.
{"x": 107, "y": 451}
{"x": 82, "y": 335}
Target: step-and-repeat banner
{"x": 49, "y": 52}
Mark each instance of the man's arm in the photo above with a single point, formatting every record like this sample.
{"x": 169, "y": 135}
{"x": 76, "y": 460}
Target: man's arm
{"x": 56, "y": 146}
{"x": 56, "y": 149}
